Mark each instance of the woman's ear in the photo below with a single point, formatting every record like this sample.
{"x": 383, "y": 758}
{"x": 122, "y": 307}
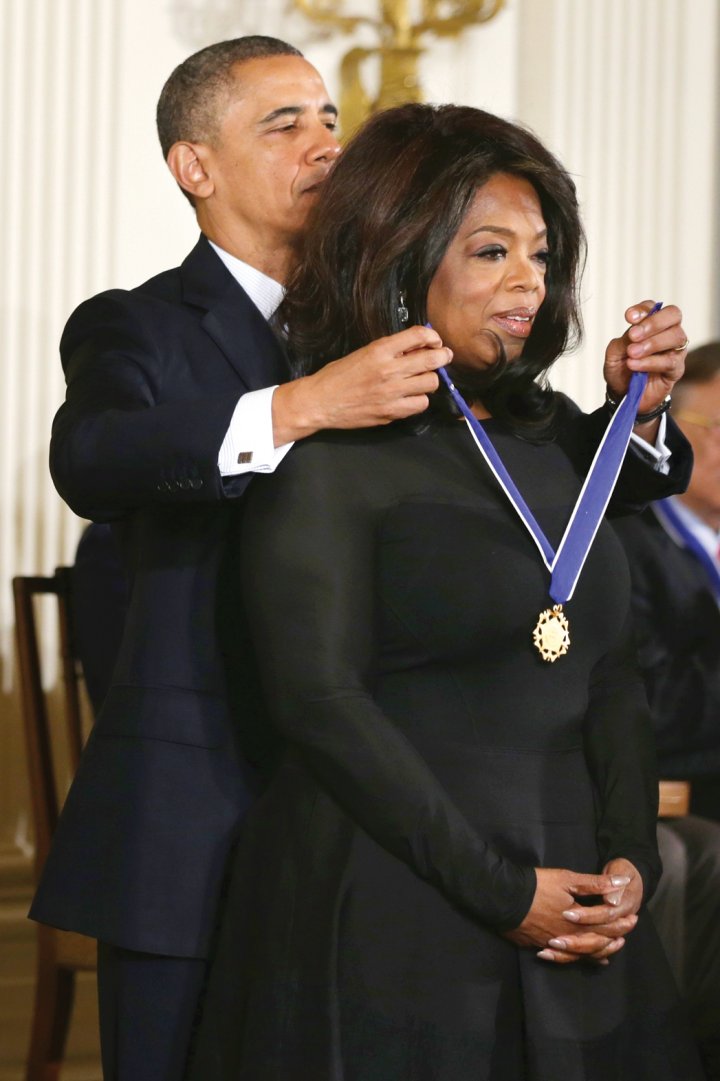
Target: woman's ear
{"x": 186, "y": 163}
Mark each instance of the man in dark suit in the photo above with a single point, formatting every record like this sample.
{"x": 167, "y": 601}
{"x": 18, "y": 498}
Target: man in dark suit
{"x": 177, "y": 391}
{"x": 674, "y": 554}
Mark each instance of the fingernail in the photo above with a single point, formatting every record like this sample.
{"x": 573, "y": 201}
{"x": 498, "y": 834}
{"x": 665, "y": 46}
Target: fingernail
{"x": 603, "y": 961}
{"x": 558, "y": 943}
{"x": 635, "y": 315}
{"x": 546, "y": 955}
{"x": 613, "y": 898}
{"x": 620, "y": 880}
{"x": 570, "y": 915}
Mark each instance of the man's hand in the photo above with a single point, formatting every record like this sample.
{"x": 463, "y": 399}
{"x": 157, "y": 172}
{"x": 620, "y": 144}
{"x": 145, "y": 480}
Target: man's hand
{"x": 655, "y": 344}
{"x": 552, "y": 923}
{"x": 387, "y": 380}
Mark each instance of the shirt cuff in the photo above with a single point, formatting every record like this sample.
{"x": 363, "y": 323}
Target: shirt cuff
{"x": 248, "y": 446}
{"x": 659, "y": 455}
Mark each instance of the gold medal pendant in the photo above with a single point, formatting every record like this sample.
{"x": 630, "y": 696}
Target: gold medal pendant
{"x": 552, "y": 634}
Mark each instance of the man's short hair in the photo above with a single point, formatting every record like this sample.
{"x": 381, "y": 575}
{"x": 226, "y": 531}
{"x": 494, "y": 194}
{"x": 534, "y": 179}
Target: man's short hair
{"x": 194, "y": 98}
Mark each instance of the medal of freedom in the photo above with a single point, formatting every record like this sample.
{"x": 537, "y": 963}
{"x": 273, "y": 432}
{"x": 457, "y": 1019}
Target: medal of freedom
{"x": 552, "y": 631}
{"x": 552, "y": 634}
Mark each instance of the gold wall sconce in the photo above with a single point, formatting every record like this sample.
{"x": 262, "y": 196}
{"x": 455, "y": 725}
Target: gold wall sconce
{"x": 398, "y": 49}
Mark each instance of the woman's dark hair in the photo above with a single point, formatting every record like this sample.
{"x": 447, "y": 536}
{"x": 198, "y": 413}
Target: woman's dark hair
{"x": 387, "y": 214}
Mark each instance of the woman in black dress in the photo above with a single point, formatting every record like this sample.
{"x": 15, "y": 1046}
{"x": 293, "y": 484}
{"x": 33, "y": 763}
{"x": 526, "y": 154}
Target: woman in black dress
{"x": 444, "y": 878}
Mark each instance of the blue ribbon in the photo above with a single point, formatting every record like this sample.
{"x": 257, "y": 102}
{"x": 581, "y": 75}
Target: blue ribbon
{"x": 566, "y": 564}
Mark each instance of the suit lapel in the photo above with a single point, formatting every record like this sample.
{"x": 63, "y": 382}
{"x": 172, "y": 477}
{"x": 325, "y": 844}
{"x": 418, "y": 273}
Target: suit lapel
{"x": 232, "y": 320}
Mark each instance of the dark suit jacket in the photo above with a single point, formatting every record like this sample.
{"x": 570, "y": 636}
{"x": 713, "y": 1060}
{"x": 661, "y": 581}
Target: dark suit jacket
{"x": 99, "y": 606}
{"x": 678, "y": 629}
{"x": 153, "y": 378}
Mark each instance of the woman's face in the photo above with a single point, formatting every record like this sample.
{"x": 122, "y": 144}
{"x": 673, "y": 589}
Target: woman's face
{"x": 492, "y": 276}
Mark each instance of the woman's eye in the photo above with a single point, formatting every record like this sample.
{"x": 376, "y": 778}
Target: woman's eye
{"x": 543, "y": 256}
{"x": 492, "y": 253}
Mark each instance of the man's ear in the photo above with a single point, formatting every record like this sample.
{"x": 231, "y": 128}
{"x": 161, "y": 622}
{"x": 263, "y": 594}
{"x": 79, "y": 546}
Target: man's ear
{"x": 185, "y": 162}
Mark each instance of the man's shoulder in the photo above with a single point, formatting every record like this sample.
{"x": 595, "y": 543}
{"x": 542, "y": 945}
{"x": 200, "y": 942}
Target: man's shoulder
{"x": 201, "y": 274}
{"x": 655, "y": 558}
{"x": 113, "y": 304}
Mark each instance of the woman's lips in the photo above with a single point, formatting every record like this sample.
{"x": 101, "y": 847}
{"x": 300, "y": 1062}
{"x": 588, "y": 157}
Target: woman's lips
{"x": 517, "y": 324}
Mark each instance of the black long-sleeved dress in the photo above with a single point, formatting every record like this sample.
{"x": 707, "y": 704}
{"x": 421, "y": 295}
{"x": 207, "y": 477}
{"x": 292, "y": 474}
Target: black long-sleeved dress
{"x": 432, "y": 759}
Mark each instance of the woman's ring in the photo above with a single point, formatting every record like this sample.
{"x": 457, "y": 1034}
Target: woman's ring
{"x": 681, "y": 348}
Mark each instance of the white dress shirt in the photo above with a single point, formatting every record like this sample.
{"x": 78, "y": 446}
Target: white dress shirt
{"x": 248, "y": 446}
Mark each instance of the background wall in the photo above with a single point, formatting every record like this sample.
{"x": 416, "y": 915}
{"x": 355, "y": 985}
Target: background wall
{"x": 626, "y": 92}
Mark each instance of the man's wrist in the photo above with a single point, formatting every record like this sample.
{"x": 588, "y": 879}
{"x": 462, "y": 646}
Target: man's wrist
{"x": 293, "y": 415}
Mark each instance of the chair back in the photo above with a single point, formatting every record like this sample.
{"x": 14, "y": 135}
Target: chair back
{"x": 674, "y": 799}
{"x": 38, "y": 732}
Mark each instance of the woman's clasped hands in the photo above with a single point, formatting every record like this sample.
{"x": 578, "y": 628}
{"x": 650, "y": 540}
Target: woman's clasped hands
{"x": 565, "y": 930}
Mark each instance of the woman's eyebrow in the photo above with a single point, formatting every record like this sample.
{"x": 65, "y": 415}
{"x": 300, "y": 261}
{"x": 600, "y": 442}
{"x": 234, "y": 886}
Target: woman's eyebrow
{"x": 502, "y": 231}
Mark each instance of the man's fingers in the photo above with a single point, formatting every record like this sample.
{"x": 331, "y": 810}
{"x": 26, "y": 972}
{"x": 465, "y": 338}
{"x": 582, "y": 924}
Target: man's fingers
{"x": 410, "y": 405}
{"x": 417, "y": 337}
{"x": 425, "y": 360}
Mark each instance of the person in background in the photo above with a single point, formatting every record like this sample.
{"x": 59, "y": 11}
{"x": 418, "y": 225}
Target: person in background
{"x": 675, "y": 560}
{"x": 458, "y": 771}
{"x": 674, "y": 555}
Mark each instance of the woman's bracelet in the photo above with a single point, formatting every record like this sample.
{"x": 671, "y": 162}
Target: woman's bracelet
{"x": 641, "y": 418}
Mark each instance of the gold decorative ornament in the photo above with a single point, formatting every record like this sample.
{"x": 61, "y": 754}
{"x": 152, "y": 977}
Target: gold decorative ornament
{"x": 552, "y": 634}
{"x": 399, "y": 48}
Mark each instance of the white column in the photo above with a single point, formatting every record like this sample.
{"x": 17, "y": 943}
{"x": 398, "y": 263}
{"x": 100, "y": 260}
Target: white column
{"x": 626, "y": 93}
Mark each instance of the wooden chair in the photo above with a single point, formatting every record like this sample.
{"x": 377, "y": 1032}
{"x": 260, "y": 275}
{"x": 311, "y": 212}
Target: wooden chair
{"x": 674, "y": 799}
{"x": 60, "y": 954}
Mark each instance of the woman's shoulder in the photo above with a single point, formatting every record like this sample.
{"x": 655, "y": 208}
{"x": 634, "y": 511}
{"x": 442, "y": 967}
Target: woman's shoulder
{"x": 351, "y": 467}
{"x": 348, "y": 447}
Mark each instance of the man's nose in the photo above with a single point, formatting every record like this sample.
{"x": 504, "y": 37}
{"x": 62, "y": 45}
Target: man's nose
{"x": 325, "y": 146}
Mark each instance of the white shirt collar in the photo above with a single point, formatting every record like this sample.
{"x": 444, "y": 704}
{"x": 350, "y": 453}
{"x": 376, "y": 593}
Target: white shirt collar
{"x": 265, "y": 293}
{"x": 702, "y": 532}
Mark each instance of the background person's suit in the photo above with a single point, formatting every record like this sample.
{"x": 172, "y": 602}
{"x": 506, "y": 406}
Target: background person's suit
{"x": 678, "y": 627}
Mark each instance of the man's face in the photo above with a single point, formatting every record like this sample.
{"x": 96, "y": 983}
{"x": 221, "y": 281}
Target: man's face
{"x": 698, "y": 414}
{"x": 276, "y": 144}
